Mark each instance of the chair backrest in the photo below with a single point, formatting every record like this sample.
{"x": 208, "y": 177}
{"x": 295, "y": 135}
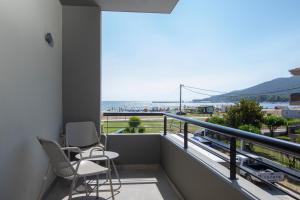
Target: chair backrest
{"x": 59, "y": 162}
{"x": 81, "y": 134}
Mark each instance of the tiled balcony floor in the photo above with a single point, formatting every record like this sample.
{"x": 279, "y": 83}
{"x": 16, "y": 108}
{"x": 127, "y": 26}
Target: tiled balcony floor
{"x": 137, "y": 184}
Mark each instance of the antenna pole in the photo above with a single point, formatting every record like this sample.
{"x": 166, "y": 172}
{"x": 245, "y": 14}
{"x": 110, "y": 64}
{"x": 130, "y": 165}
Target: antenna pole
{"x": 180, "y": 98}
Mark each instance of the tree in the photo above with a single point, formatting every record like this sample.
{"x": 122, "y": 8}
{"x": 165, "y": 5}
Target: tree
{"x": 245, "y": 112}
{"x": 273, "y": 122}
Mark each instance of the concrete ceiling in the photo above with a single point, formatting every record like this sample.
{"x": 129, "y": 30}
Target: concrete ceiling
{"x": 147, "y": 6}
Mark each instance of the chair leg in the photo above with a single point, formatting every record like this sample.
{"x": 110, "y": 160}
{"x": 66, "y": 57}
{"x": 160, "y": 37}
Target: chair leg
{"x": 72, "y": 186}
{"x": 97, "y": 182}
{"x": 106, "y": 165}
{"x": 110, "y": 183}
{"x": 117, "y": 174}
{"x": 86, "y": 187}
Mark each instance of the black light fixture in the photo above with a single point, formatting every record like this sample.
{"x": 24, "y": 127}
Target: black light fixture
{"x": 49, "y": 39}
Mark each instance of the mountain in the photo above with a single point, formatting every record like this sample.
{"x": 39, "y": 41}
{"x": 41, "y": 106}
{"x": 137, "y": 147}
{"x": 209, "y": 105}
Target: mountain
{"x": 276, "y": 90}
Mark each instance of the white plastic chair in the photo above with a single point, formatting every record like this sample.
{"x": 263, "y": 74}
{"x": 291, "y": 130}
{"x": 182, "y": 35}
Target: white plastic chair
{"x": 62, "y": 167}
{"x": 84, "y": 135}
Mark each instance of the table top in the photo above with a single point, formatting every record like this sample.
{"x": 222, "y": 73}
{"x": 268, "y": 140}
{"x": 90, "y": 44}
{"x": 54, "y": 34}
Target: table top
{"x": 110, "y": 154}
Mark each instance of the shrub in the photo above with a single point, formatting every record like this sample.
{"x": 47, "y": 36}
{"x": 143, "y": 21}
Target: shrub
{"x": 293, "y": 121}
{"x": 216, "y": 120}
{"x": 129, "y": 130}
{"x": 284, "y": 137}
{"x": 250, "y": 128}
{"x": 297, "y": 131}
{"x": 134, "y": 125}
{"x": 298, "y": 140}
{"x": 134, "y": 122}
{"x": 141, "y": 129}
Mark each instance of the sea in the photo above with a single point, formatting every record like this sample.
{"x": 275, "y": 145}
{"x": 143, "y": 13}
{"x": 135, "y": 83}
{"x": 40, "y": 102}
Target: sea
{"x": 134, "y": 106}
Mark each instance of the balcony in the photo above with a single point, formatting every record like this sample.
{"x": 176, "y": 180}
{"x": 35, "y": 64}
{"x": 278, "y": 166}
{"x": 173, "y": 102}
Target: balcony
{"x": 171, "y": 166}
{"x": 148, "y": 182}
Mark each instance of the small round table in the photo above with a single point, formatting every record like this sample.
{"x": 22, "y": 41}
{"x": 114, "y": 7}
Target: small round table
{"x": 110, "y": 154}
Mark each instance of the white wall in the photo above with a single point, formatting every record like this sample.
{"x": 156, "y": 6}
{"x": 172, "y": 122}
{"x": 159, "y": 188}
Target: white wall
{"x": 30, "y": 92}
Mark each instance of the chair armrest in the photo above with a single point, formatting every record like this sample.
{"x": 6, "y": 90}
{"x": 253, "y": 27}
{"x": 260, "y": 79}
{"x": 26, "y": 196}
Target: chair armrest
{"x": 96, "y": 148}
{"x": 105, "y": 140}
{"x": 96, "y": 156}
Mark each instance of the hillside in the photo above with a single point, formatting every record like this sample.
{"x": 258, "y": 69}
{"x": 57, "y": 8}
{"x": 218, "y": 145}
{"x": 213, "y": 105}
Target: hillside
{"x": 276, "y": 90}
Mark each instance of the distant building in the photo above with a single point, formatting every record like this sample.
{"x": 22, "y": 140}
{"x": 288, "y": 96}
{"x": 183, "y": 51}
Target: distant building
{"x": 205, "y": 109}
{"x": 200, "y": 109}
{"x": 291, "y": 112}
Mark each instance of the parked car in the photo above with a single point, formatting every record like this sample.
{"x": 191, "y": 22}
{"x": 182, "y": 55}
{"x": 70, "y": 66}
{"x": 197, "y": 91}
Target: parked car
{"x": 250, "y": 167}
{"x": 180, "y": 113}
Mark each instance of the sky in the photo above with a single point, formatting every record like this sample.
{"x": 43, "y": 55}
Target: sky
{"x": 216, "y": 45}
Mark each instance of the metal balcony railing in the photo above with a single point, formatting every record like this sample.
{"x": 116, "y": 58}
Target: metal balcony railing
{"x": 184, "y": 123}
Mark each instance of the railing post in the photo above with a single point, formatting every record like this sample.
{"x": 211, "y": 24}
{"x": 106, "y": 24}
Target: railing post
{"x": 180, "y": 127}
{"x": 185, "y": 136}
{"x": 232, "y": 158}
{"x": 165, "y": 125}
{"x": 107, "y": 125}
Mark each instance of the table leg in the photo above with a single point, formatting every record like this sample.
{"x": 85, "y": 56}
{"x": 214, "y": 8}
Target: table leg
{"x": 117, "y": 174}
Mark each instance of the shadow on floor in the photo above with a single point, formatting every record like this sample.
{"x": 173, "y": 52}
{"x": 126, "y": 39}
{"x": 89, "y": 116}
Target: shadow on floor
{"x": 137, "y": 184}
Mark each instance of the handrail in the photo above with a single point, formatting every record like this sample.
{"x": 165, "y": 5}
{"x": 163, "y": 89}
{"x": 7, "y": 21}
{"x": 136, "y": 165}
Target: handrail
{"x": 108, "y": 114}
{"x": 288, "y": 147}
{"x": 234, "y": 134}
{"x": 282, "y": 145}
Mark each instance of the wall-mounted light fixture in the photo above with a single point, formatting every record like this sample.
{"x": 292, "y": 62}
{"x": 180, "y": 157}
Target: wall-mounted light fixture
{"x": 49, "y": 39}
